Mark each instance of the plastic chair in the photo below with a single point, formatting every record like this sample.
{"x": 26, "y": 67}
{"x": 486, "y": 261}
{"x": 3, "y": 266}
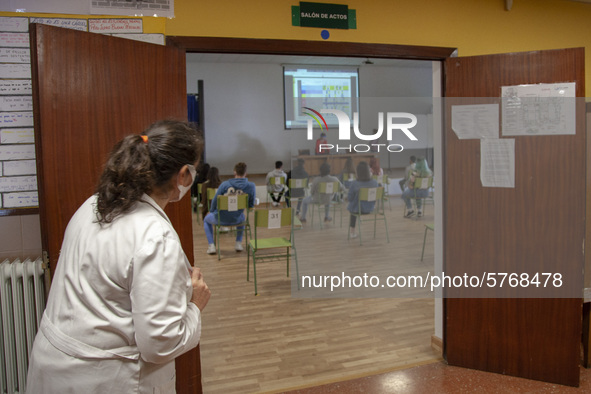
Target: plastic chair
{"x": 232, "y": 204}
{"x": 424, "y": 183}
{"x": 368, "y": 194}
{"x": 274, "y": 181}
{"x": 428, "y": 227}
{"x": 299, "y": 186}
{"x": 275, "y": 248}
{"x": 324, "y": 189}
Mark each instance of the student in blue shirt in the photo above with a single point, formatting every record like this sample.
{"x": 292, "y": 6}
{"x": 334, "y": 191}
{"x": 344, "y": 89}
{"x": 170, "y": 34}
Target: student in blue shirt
{"x": 364, "y": 179}
{"x": 237, "y": 185}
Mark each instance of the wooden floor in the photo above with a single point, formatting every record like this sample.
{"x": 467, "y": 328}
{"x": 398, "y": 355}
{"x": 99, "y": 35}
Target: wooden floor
{"x": 285, "y": 339}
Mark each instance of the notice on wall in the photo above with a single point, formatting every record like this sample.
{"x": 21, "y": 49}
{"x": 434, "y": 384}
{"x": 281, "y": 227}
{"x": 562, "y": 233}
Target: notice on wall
{"x": 16, "y": 24}
{"x": 497, "y": 162}
{"x": 14, "y": 40}
{"x": 15, "y": 55}
{"x": 20, "y": 200}
{"x": 542, "y": 109}
{"x": 74, "y": 24}
{"x": 115, "y": 26}
{"x": 17, "y": 136}
{"x": 475, "y": 121}
{"x": 8, "y": 87}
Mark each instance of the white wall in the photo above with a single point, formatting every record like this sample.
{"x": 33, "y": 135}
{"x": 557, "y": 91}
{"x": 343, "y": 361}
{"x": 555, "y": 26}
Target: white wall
{"x": 244, "y": 111}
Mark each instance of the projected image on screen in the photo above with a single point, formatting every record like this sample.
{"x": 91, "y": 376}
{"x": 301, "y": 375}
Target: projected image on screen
{"x": 319, "y": 88}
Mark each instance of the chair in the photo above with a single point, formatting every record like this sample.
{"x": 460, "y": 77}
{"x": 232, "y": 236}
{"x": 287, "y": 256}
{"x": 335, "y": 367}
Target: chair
{"x": 296, "y": 185}
{"x": 428, "y": 227}
{"x": 274, "y": 248}
{"x": 324, "y": 189}
{"x": 368, "y": 194}
{"x": 384, "y": 180}
{"x": 232, "y": 204}
{"x": 273, "y": 181}
{"x": 196, "y": 201}
{"x": 424, "y": 183}
{"x": 209, "y": 198}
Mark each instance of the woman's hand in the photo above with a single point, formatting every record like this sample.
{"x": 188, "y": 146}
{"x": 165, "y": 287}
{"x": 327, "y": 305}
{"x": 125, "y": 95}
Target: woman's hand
{"x": 201, "y": 292}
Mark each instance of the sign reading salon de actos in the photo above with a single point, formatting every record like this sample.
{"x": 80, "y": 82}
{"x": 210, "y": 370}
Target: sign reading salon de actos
{"x": 333, "y": 16}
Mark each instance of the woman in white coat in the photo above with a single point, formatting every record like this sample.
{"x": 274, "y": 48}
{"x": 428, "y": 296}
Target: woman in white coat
{"x": 124, "y": 300}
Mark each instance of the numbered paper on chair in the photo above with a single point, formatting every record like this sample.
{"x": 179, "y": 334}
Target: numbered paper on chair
{"x": 351, "y": 176}
{"x": 277, "y": 180}
{"x": 232, "y": 203}
{"x": 425, "y": 183}
{"x": 329, "y": 188}
{"x": 372, "y": 194}
{"x": 299, "y": 183}
{"x": 274, "y": 219}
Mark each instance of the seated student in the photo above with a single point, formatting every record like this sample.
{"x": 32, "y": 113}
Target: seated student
{"x": 237, "y": 185}
{"x": 411, "y": 166}
{"x": 421, "y": 171}
{"x": 276, "y": 190}
{"x": 364, "y": 179}
{"x": 348, "y": 175}
{"x": 298, "y": 172}
{"x": 321, "y": 198}
{"x": 213, "y": 181}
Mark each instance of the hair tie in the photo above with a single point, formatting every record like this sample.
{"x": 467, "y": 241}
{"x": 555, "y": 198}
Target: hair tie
{"x": 145, "y": 138}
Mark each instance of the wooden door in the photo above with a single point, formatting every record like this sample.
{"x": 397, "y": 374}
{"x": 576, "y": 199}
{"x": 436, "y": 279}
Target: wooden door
{"x": 538, "y": 226}
{"x": 91, "y": 90}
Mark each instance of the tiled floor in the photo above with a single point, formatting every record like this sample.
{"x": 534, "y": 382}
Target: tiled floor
{"x": 442, "y": 379}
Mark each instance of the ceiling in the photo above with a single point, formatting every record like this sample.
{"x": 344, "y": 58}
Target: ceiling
{"x": 309, "y": 60}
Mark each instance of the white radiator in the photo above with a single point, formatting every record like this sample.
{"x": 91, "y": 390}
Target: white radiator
{"x": 22, "y": 301}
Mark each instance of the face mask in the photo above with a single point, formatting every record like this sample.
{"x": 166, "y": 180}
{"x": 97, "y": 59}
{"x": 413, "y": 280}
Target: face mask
{"x": 184, "y": 189}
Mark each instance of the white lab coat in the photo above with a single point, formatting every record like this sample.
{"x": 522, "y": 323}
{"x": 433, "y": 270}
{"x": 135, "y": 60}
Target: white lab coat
{"x": 119, "y": 309}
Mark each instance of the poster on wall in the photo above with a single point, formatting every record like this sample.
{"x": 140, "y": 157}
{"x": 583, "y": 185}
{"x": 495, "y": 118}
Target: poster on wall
{"x": 542, "y": 109}
{"x": 162, "y": 8}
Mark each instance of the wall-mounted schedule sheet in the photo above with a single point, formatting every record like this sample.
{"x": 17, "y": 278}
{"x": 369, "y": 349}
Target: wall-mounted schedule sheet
{"x": 497, "y": 162}
{"x": 543, "y": 109}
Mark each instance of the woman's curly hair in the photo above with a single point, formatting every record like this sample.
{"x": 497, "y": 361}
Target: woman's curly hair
{"x": 140, "y": 163}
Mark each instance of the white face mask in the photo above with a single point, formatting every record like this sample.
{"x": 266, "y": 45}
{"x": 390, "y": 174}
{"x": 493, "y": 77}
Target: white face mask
{"x": 184, "y": 189}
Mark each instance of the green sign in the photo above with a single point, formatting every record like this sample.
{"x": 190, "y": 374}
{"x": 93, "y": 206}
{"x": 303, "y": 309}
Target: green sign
{"x": 330, "y": 16}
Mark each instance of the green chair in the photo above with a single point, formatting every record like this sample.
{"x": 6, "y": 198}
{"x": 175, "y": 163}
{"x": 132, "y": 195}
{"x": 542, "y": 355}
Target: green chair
{"x": 325, "y": 189}
{"x": 428, "y": 227}
{"x": 377, "y": 214}
{"x": 231, "y": 204}
{"x": 299, "y": 185}
{"x": 273, "y": 181}
{"x": 267, "y": 221}
{"x": 196, "y": 201}
{"x": 209, "y": 198}
{"x": 424, "y": 183}
{"x": 384, "y": 180}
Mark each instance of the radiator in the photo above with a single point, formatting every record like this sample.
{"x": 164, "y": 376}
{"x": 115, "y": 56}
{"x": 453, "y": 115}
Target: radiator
{"x": 22, "y": 300}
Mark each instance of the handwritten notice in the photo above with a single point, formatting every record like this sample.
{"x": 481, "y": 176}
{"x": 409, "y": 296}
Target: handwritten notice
{"x": 14, "y": 40}
{"x": 17, "y": 152}
{"x": 115, "y": 26}
{"x": 16, "y": 103}
{"x": 8, "y": 87}
{"x": 17, "y": 136}
{"x": 372, "y": 194}
{"x": 74, "y": 24}
{"x": 19, "y": 167}
{"x": 20, "y": 200}
{"x": 152, "y": 38}
{"x": 15, "y": 24}
{"x": 15, "y": 71}
{"x": 16, "y": 119}
{"x": 497, "y": 162}
{"x": 18, "y": 183}
{"x": 15, "y": 55}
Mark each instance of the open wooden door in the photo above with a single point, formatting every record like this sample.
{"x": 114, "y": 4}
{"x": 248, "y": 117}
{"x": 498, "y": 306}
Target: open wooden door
{"x": 538, "y": 226}
{"x": 89, "y": 91}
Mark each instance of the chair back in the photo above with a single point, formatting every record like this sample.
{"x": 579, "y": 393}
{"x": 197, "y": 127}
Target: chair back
{"x": 349, "y": 177}
{"x": 233, "y": 203}
{"x": 199, "y": 188}
{"x": 423, "y": 183}
{"x": 328, "y": 187}
{"x": 371, "y": 193}
{"x": 298, "y": 183}
{"x": 272, "y": 218}
{"x": 210, "y": 195}
{"x": 382, "y": 179}
{"x": 277, "y": 180}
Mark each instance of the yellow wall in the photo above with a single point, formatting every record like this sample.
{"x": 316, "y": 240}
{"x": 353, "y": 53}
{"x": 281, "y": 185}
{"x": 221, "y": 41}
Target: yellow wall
{"x": 475, "y": 27}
